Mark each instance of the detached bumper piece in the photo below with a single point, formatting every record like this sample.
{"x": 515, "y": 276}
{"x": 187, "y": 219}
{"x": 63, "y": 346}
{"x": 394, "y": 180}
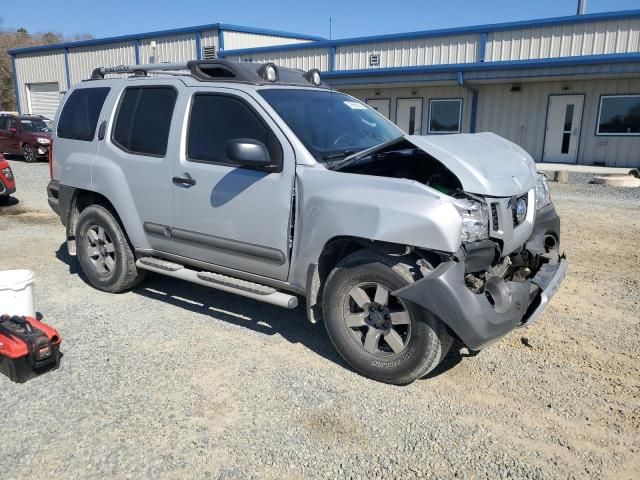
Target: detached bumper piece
{"x": 28, "y": 348}
{"x": 480, "y": 318}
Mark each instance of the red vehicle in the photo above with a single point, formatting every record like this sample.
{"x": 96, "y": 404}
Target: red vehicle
{"x": 7, "y": 182}
{"x": 26, "y": 135}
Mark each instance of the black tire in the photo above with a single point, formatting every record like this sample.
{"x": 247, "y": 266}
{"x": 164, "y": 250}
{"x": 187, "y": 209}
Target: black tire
{"x": 425, "y": 340}
{"x": 117, "y": 274}
{"x": 29, "y": 153}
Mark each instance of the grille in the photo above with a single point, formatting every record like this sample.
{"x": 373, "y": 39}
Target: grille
{"x": 494, "y": 217}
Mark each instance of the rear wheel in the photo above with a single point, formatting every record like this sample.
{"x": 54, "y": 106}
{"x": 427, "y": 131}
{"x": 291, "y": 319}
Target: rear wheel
{"x": 377, "y": 333}
{"x": 104, "y": 252}
{"x": 29, "y": 153}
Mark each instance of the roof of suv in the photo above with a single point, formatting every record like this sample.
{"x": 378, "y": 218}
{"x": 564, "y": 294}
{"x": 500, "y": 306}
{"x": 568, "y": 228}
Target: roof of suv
{"x": 226, "y": 71}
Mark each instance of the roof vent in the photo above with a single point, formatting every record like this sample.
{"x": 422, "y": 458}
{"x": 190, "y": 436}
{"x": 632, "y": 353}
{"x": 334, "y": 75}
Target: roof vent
{"x": 209, "y": 53}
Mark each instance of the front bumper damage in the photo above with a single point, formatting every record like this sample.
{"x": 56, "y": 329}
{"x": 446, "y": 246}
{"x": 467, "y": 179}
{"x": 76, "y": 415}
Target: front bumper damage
{"x": 477, "y": 318}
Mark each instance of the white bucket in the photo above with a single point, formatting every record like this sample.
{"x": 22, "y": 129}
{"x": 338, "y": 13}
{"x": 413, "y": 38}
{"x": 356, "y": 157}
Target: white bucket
{"x": 16, "y": 293}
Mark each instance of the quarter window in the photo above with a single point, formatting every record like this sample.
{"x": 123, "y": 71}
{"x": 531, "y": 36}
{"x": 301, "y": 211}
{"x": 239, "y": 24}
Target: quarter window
{"x": 215, "y": 119}
{"x": 80, "y": 114}
{"x": 144, "y": 119}
{"x": 619, "y": 115}
{"x": 445, "y": 115}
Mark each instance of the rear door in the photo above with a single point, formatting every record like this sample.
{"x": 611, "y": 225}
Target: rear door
{"x": 133, "y": 162}
{"x": 12, "y": 140}
{"x": 231, "y": 216}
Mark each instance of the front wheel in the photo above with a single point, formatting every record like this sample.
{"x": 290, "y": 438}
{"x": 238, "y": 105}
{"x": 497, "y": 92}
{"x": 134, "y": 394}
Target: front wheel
{"x": 105, "y": 255}
{"x": 378, "y": 334}
{"x": 29, "y": 153}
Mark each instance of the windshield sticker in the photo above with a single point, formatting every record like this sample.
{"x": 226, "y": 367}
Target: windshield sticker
{"x": 354, "y": 105}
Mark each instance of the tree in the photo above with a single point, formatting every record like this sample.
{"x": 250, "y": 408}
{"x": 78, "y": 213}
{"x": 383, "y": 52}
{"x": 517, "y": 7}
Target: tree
{"x": 18, "y": 39}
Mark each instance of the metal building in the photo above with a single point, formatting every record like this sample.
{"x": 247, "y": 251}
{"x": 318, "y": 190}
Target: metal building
{"x": 42, "y": 74}
{"x": 566, "y": 89}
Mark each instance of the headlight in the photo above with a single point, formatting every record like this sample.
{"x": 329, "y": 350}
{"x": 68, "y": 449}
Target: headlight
{"x": 43, "y": 141}
{"x": 8, "y": 174}
{"x": 475, "y": 220}
{"x": 543, "y": 195}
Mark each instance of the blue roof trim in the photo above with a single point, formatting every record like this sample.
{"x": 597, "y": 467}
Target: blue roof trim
{"x": 16, "y": 89}
{"x": 495, "y": 27}
{"x": 504, "y": 65}
{"x": 161, "y": 33}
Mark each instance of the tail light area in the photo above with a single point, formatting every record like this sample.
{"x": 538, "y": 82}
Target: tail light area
{"x": 51, "y": 160}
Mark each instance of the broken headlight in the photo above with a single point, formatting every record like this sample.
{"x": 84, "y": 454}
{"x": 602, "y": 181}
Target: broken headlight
{"x": 475, "y": 220}
{"x": 543, "y": 194}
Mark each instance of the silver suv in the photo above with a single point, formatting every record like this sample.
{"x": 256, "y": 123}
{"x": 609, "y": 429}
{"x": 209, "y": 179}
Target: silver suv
{"x": 261, "y": 181}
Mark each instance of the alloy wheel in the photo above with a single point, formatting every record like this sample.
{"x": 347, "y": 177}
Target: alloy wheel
{"x": 378, "y": 321}
{"x": 101, "y": 249}
{"x": 29, "y": 153}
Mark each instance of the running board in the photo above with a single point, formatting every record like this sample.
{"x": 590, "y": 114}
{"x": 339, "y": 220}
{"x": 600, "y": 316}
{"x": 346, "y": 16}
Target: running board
{"x": 262, "y": 293}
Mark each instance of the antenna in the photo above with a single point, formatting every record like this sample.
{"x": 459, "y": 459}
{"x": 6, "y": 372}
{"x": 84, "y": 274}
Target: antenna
{"x": 582, "y": 7}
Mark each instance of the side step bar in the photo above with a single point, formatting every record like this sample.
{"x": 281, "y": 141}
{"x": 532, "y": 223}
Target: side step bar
{"x": 262, "y": 293}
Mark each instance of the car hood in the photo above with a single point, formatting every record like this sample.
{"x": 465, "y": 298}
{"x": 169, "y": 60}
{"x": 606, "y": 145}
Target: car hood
{"x": 485, "y": 163}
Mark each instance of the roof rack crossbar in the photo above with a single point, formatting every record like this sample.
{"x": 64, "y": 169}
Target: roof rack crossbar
{"x": 150, "y": 67}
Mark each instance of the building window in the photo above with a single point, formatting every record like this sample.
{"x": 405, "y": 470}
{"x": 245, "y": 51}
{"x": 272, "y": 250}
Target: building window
{"x": 619, "y": 115}
{"x": 445, "y": 116}
{"x": 143, "y": 120}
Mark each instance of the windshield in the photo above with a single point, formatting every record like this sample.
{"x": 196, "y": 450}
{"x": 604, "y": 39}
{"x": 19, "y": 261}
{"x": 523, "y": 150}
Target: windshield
{"x": 330, "y": 124}
{"x": 37, "y": 126}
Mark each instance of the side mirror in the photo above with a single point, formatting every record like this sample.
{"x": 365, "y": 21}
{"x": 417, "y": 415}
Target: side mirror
{"x": 246, "y": 152}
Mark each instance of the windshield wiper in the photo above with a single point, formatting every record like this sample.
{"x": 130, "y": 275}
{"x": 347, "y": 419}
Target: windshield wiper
{"x": 333, "y": 156}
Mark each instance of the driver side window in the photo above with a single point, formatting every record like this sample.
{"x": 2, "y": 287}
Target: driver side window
{"x": 216, "y": 119}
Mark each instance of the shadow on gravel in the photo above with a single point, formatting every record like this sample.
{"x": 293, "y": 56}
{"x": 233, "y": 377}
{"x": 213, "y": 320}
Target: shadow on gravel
{"x": 8, "y": 202}
{"x": 292, "y": 325}
{"x": 266, "y": 319}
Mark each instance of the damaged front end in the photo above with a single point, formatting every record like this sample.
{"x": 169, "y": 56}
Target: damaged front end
{"x": 508, "y": 265}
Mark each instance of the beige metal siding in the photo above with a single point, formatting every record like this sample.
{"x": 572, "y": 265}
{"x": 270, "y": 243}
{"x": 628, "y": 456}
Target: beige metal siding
{"x": 83, "y": 60}
{"x": 303, "y": 59}
{"x": 594, "y": 38}
{"x": 173, "y": 48}
{"x": 423, "y": 51}
{"x": 521, "y": 117}
{"x": 237, "y": 40}
{"x": 42, "y": 67}
{"x": 425, "y": 93}
{"x": 209, "y": 39}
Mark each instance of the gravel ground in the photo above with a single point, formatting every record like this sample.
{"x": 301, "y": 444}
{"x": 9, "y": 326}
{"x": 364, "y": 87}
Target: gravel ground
{"x": 173, "y": 380}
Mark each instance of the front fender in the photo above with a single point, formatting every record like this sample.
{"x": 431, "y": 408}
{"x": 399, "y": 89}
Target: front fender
{"x": 335, "y": 204}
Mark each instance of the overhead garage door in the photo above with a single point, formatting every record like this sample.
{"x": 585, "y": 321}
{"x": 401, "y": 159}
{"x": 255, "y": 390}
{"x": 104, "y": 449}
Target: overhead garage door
{"x": 43, "y": 99}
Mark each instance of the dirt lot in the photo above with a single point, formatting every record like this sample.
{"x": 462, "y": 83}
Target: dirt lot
{"x": 176, "y": 381}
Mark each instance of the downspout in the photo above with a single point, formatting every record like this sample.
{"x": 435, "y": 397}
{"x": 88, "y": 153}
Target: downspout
{"x": 474, "y": 101}
{"x": 66, "y": 68}
{"x": 15, "y": 83}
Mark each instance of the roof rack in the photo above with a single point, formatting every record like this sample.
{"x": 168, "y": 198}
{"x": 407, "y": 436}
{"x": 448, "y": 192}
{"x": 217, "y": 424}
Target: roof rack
{"x": 220, "y": 70}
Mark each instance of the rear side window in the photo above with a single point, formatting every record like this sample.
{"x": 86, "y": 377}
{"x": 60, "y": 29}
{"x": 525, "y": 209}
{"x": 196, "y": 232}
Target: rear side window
{"x": 143, "y": 120}
{"x": 80, "y": 114}
{"x": 4, "y": 123}
{"x": 215, "y": 119}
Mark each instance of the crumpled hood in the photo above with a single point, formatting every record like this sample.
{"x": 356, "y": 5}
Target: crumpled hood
{"x": 485, "y": 163}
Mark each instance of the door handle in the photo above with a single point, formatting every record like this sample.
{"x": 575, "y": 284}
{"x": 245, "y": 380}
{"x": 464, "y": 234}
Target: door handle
{"x": 102, "y": 130}
{"x": 186, "y": 181}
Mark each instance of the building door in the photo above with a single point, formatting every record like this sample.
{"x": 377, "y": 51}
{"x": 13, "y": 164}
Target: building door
{"x": 562, "y": 136}
{"x": 381, "y": 105}
{"x": 44, "y": 99}
{"x": 409, "y": 115}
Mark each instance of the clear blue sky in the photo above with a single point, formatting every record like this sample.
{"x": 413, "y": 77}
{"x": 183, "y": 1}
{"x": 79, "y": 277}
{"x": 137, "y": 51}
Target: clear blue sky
{"x": 104, "y": 18}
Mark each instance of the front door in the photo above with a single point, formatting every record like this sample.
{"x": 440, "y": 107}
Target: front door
{"x": 234, "y": 217}
{"x": 562, "y": 136}
{"x": 409, "y": 115}
{"x": 381, "y": 105}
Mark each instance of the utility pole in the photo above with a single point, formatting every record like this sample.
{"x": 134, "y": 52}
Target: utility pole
{"x": 582, "y": 7}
